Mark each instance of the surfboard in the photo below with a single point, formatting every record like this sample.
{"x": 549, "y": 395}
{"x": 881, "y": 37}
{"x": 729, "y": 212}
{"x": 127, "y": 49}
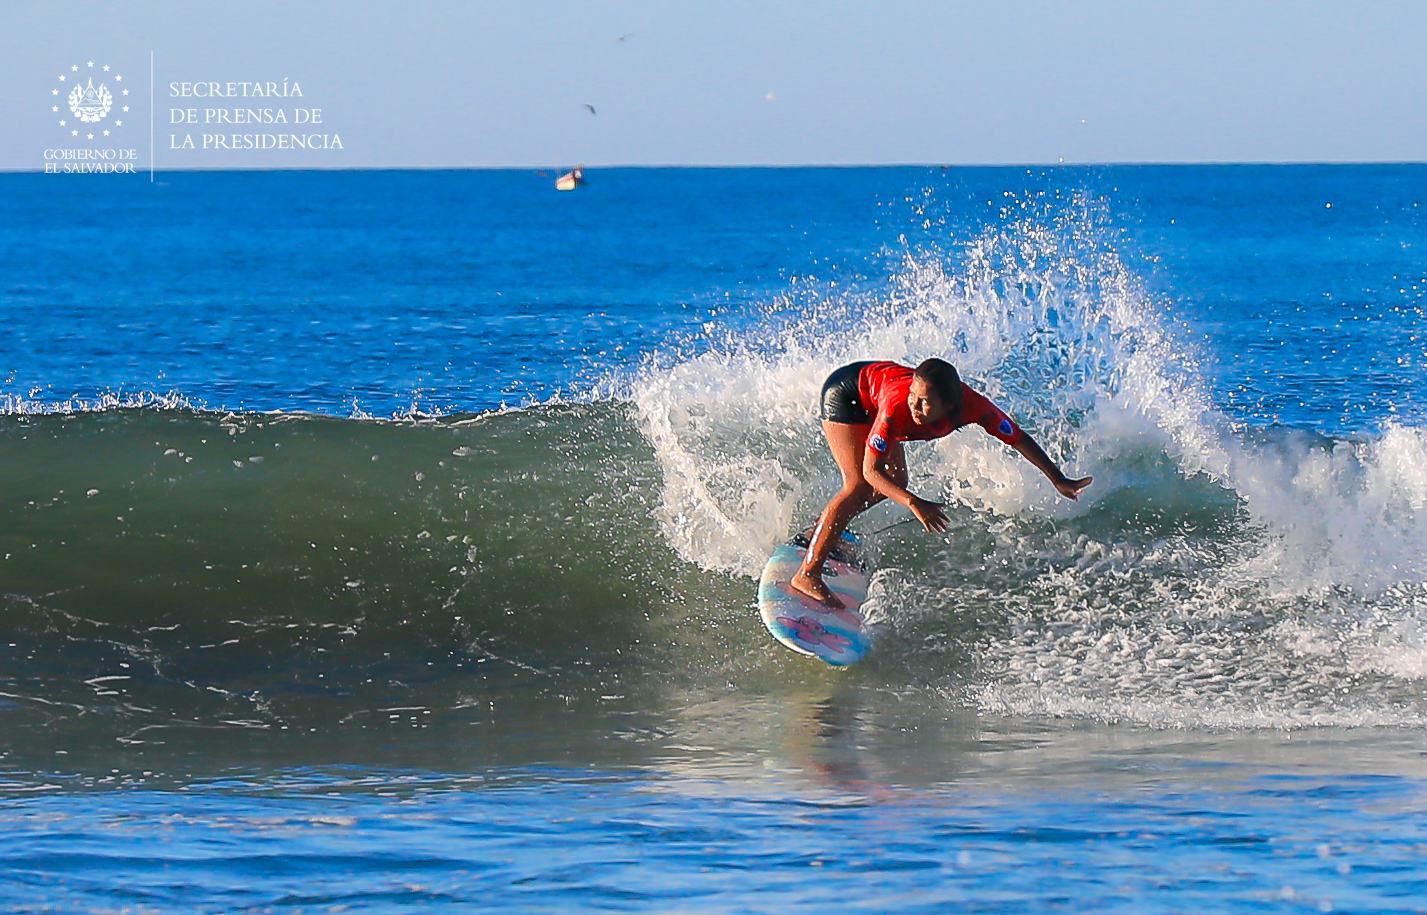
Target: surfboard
{"x": 839, "y": 637}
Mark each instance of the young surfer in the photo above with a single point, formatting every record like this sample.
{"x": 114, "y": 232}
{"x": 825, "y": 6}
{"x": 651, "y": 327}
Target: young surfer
{"x": 868, "y": 410}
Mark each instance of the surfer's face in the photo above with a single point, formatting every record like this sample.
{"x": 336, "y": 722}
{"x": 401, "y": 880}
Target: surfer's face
{"x": 925, "y": 403}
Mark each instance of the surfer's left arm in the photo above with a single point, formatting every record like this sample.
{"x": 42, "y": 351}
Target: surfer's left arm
{"x": 998, "y": 425}
{"x": 1031, "y": 450}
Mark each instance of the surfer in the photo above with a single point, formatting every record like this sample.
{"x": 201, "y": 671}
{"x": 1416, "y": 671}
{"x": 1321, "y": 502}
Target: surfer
{"x": 868, "y": 410}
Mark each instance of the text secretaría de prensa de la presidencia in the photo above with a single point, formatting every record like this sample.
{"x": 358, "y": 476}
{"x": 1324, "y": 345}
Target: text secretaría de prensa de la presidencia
{"x": 246, "y": 116}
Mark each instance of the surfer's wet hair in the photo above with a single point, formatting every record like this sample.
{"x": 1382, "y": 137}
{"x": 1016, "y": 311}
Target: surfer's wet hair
{"x": 942, "y": 376}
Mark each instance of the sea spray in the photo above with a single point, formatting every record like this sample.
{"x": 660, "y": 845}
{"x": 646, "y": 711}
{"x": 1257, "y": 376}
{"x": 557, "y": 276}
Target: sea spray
{"x": 1198, "y": 580}
{"x": 1045, "y": 320}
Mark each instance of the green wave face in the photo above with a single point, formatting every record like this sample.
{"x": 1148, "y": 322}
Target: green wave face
{"x": 274, "y": 552}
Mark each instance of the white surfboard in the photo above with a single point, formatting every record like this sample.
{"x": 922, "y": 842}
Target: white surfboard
{"x": 810, "y": 627}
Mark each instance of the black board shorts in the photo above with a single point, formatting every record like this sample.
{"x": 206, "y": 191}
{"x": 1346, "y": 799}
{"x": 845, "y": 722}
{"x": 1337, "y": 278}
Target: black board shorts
{"x": 841, "y": 401}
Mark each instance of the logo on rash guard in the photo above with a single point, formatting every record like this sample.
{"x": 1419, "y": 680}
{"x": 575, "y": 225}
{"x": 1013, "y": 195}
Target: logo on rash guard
{"x": 1006, "y": 428}
{"x": 878, "y": 443}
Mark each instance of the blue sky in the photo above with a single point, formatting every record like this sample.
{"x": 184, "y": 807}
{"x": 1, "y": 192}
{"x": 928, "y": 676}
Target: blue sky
{"x": 738, "y": 83}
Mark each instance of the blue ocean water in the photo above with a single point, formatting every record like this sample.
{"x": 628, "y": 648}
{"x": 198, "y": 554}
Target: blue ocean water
{"x": 376, "y": 540}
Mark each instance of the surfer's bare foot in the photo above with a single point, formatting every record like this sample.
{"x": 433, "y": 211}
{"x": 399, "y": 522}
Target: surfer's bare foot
{"x": 804, "y": 583}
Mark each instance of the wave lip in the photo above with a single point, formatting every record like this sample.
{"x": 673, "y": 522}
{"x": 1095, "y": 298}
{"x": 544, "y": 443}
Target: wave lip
{"x": 13, "y": 404}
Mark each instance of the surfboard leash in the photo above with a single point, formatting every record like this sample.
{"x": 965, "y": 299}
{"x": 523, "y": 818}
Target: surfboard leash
{"x": 883, "y": 530}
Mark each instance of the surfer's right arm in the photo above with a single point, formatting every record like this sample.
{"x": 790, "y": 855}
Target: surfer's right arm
{"x": 874, "y": 471}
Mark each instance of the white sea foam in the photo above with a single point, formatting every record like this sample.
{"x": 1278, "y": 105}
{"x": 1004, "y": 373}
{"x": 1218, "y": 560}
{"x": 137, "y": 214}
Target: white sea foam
{"x": 14, "y": 404}
{"x": 1293, "y": 596}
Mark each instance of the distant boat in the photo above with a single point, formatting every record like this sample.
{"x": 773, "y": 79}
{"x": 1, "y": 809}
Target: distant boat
{"x": 571, "y": 180}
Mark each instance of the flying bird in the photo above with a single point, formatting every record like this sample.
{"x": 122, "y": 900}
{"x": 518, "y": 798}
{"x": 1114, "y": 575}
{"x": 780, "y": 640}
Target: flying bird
{"x": 591, "y": 107}
{"x": 624, "y": 36}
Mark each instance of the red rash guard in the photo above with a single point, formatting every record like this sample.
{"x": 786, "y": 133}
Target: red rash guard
{"x": 884, "y": 386}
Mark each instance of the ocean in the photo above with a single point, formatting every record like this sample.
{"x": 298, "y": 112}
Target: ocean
{"x": 386, "y": 541}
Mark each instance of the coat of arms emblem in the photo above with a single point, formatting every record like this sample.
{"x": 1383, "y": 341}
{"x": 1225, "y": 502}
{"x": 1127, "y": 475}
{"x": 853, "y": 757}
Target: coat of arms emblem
{"x": 90, "y": 104}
